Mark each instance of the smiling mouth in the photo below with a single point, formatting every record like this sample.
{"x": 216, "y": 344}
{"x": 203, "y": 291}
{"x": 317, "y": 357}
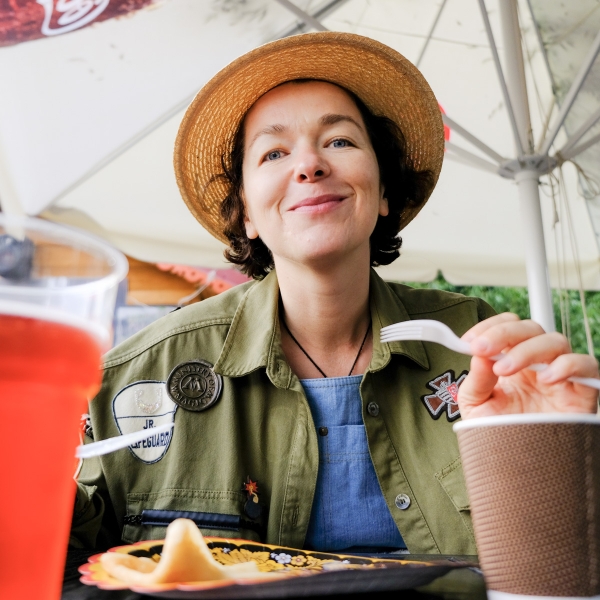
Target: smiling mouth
{"x": 318, "y": 203}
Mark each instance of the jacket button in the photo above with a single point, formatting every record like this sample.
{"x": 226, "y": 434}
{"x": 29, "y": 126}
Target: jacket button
{"x": 373, "y": 409}
{"x": 323, "y": 431}
{"x": 402, "y": 501}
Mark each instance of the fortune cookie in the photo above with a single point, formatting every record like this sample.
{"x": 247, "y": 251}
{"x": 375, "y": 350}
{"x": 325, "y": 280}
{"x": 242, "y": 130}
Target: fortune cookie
{"x": 185, "y": 558}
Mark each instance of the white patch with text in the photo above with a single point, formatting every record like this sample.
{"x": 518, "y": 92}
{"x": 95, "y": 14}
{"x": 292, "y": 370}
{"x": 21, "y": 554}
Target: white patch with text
{"x": 145, "y": 405}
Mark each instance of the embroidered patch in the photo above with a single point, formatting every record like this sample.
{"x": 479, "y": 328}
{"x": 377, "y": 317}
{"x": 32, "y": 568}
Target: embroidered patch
{"x": 145, "y": 405}
{"x": 445, "y": 392}
{"x": 252, "y": 508}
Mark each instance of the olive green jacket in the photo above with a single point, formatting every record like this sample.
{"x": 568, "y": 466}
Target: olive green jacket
{"x": 261, "y": 426}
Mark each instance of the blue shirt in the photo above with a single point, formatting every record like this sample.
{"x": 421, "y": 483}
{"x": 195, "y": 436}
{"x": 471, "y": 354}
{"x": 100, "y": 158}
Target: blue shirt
{"x": 348, "y": 509}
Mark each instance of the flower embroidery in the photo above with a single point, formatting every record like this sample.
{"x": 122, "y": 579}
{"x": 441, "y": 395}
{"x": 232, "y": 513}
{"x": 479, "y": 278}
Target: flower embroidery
{"x": 282, "y": 559}
{"x": 251, "y": 487}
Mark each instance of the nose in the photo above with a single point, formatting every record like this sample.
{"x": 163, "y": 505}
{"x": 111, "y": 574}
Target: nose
{"x": 310, "y": 166}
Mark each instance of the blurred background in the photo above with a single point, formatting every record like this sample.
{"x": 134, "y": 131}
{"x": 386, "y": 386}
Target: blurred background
{"x": 93, "y": 91}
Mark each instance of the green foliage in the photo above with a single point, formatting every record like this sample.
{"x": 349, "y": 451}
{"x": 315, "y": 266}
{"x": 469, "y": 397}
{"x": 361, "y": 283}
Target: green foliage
{"x": 516, "y": 300}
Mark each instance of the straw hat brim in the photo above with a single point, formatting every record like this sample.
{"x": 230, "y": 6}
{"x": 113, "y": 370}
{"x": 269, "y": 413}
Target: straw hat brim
{"x": 383, "y": 79}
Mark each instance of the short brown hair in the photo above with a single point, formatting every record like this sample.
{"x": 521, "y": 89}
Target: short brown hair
{"x": 404, "y": 188}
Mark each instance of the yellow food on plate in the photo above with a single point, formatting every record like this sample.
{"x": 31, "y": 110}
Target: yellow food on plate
{"x": 185, "y": 558}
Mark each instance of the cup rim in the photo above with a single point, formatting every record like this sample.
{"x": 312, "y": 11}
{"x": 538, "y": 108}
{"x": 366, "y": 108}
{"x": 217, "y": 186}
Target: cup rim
{"x": 527, "y": 419}
{"x": 115, "y": 258}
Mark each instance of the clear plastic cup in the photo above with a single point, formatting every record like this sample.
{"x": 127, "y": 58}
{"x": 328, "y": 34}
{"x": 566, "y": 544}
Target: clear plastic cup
{"x": 58, "y": 288}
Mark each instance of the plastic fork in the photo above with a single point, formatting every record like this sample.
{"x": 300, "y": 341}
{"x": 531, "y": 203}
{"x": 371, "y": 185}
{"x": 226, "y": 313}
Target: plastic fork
{"x": 426, "y": 330}
{"x": 120, "y": 441}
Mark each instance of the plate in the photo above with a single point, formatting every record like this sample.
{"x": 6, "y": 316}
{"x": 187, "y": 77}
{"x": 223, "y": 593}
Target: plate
{"x": 306, "y": 573}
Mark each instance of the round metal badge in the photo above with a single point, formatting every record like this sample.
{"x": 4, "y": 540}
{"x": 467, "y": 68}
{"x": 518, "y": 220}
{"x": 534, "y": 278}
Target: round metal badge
{"x": 194, "y": 385}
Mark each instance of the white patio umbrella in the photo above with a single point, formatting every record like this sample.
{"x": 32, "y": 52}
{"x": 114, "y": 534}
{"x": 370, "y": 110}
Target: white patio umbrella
{"x": 88, "y": 120}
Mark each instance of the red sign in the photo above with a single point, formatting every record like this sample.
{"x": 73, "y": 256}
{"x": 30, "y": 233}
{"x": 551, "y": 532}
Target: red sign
{"x": 446, "y": 128}
{"x": 24, "y": 20}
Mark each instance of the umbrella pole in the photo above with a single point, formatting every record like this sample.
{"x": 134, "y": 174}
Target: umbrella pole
{"x": 527, "y": 176}
{"x": 538, "y": 281}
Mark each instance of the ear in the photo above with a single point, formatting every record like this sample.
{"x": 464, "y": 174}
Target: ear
{"x": 384, "y": 208}
{"x": 251, "y": 231}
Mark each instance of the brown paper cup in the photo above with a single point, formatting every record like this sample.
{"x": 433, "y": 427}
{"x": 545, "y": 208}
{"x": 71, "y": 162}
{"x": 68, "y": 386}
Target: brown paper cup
{"x": 534, "y": 485}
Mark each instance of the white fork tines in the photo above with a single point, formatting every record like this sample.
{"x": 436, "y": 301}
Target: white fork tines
{"x": 426, "y": 330}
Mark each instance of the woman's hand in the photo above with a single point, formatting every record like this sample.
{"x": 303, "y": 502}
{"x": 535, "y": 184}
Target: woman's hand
{"x": 507, "y": 386}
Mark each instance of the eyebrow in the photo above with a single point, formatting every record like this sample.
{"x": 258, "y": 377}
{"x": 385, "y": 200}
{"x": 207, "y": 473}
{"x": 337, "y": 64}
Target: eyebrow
{"x": 325, "y": 120}
{"x": 332, "y": 119}
{"x": 269, "y": 130}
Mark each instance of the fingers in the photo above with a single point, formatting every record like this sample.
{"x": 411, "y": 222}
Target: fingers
{"x": 543, "y": 348}
{"x": 584, "y": 398}
{"x": 503, "y": 334}
{"x": 522, "y": 342}
{"x": 482, "y": 326}
{"x": 478, "y": 386}
{"x": 522, "y": 345}
{"x": 569, "y": 365}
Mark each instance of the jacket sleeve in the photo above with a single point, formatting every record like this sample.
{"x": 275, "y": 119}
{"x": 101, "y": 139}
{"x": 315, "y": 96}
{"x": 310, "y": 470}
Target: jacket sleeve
{"x": 94, "y": 524}
{"x": 87, "y": 517}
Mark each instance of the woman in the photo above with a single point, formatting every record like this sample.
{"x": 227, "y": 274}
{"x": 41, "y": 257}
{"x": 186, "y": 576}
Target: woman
{"x": 294, "y": 424}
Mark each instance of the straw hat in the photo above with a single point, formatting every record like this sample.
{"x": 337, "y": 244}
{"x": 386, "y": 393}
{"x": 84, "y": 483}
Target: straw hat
{"x": 382, "y": 78}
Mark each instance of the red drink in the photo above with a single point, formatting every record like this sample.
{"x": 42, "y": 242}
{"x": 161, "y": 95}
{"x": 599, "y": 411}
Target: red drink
{"x": 48, "y": 371}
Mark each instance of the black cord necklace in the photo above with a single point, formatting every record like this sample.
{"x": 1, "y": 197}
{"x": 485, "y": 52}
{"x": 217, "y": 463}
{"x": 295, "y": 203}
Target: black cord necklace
{"x": 313, "y": 362}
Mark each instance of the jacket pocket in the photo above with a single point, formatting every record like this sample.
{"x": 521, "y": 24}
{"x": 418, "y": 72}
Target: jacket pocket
{"x": 452, "y": 480}
{"x": 217, "y": 513}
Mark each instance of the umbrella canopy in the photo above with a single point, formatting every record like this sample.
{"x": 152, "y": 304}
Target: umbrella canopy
{"x": 567, "y": 31}
{"x": 88, "y": 122}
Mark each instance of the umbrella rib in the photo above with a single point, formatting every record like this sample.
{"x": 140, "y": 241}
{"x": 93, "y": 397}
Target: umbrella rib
{"x": 587, "y": 125}
{"x": 123, "y": 148}
{"x": 494, "y": 49}
{"x": 302, "y": 14}
{"x": 545, "y": 113}
{"x": 470, "y": 158}
{"x": 473, "y": 139}
{"x": 540, "y": 40}
{"x": 573, "y": 152}
{"x": 323, "y": 12}
{"x": 573, "y": 93}
{"x": 428, "y": 38}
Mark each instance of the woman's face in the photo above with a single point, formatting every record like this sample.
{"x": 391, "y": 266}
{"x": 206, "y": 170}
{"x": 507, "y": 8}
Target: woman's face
{"x": 310, "y": 177}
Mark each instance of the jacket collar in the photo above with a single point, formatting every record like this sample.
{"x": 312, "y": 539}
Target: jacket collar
{"x": 254, "y": 338}
{"x": 386, "y": 309}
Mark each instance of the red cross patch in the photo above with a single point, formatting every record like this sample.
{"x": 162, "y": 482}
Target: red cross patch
{"x": 445, "y": 392}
